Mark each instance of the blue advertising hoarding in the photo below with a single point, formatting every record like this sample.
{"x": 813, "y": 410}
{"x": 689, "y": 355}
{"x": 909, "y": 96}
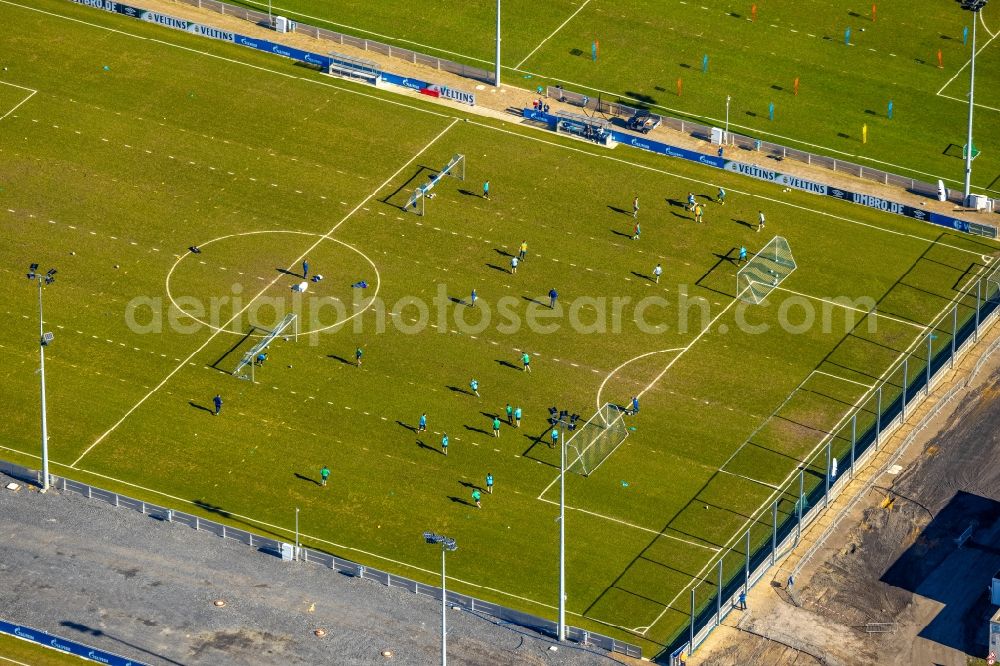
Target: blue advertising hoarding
{"x": 665, "y": 149}
{"x": 63, "y": 645}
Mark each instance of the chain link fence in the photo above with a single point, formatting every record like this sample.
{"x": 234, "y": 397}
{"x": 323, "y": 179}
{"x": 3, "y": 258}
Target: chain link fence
{"x": 408, "y": 55}
{"x": 340, "y": 565}
{"x": 777, "y": 527}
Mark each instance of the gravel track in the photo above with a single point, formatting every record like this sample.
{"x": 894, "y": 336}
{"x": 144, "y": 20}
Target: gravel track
{"x": 143, "y": 588}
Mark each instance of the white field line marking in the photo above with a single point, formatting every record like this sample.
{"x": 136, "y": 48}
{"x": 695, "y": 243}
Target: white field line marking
{"x": 634, "y": 358}
{"x": 74, "y": 20}
{"x": 965, "y": 101}
{"x": 8, "y": 660}
{"x": 874, "y": 312}
{"x": 698, "y": 181}
{"x": 683, "y": 351}
{"x": 561, "y": 26}
{"x": 579, "y": 85}
{"x": 599, "y": 90}
{"x": 739, "y": 533}
{"x": 632, "y": 525}
{"x": 752, "y": 480}
{"x": 496, "y": 129}
{"x": 296, "y": 262}
{"x": 31, "y": 93}
{"x": 983, "y": 22}
{"x": 234, "y": 61}
{"x": 962, "y": 68}
{"x": 844, "y": 379}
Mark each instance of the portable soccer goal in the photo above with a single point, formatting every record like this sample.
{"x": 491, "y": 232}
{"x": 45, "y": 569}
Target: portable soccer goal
{"x": 594, "y": 442}
{"x": 250, "y": 358}
{"x": 765, "y": 271}
{"x": 417, "y": 201}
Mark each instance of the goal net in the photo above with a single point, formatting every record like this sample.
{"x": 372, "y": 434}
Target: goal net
{"x": 765, "y": 271}
{"x": 455, "y": 168}
{"x": 249, "y": 359}
{"x": 596, "y": 440}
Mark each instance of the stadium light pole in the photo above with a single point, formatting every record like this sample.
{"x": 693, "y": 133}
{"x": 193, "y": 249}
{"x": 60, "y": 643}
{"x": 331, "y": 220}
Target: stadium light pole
{"x": 974, "y": 6}
{"x": 496, "y": 73}
{"x": 726, "y": 138}
{"x": 562, "y": 418}
{"x": 446, "y": 544}
{"x": 43, "y": 340}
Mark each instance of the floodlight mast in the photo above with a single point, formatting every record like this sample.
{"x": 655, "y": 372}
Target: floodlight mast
{"x": 974, "y": 6}
{"x": 447, "y": 544}
{"x": 496, "y": 73}
{"x": 559, "y": 418}
{"x": 43, "y": 340}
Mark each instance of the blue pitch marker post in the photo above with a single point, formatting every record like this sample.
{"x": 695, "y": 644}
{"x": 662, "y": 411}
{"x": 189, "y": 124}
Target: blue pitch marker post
{"x": 847, "y": 37}
{"x": 890, "y": 109}
{"x": 704, "y": 63}
{"x": 770, "y": 111}
{"x": 965, "y": 36}
{"x": 593, "y": 51}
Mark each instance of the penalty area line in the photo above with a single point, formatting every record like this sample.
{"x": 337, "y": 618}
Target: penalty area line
{"x": 714, "y": 549}
{"x": 844, "y": 379}
{"x": 873, "y": 312}
{"x": 750, "y": 479}
{"x": 14, "y": 108}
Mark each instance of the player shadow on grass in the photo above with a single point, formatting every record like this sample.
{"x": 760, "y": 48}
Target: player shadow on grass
{"x": 458, "y": 301}
{"x": 307, "y": 478}
{"x": 420, "y": 444}
{"x": 502, "y": 252}
{"x": 285, "y": 271}
{"x": 616, "y": 209}
{"x": 497, "y": 268}
{"x": 459, "y": 500}
{"x": 621, "y": 233}
{"x": 748, "y": 225}
{"x": 538, "y": 440}
{"x": 472, "y": 486}
{"x": 479, "y": 430}
{"x": 341, "y": 359}
{"x": 508, "y": 364}
{"x": 407, "y": 426}
{"x": 201, "y": 407}
{"x": 470, "y": 193}
{"x": 728, "y": 256}
{"x": 643, "y": 276}
{"x": 531, "y": 299}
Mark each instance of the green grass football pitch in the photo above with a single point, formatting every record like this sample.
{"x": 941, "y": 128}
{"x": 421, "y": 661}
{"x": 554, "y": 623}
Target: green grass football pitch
{"x": 647, "y": 45}
{"x": 109, "y": 175}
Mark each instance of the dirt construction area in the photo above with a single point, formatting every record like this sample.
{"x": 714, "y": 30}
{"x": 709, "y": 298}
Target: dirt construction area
{"x": 904, "y": 577}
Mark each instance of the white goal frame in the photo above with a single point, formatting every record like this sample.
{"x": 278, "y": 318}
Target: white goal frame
{"x": 417, "y": 201}
{"x": 765, "y": 271}
{"x": 250, "y": 357}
